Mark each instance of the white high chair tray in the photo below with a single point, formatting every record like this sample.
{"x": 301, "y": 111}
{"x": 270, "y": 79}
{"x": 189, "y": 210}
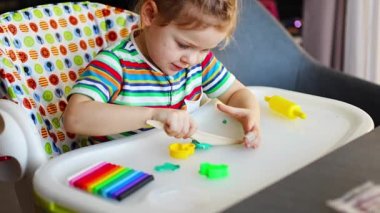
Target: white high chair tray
{"x": 287, "y": 145}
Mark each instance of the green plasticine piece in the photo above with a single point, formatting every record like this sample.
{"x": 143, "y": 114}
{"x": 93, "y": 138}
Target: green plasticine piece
{"x": 166, "y": 167}
{"x": 201, "y": 146}
{"x": 214, "y": 171}
{"x": 225, "y": 121}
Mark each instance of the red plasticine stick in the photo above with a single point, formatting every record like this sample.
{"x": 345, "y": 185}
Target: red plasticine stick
{"x": 84, "y": 172}
{"x": 83, "y": 182}
{"x": 90, "y": 184}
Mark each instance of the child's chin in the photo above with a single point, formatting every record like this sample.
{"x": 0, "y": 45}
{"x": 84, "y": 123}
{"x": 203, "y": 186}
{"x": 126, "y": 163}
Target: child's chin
{"x": 170, "y": 73}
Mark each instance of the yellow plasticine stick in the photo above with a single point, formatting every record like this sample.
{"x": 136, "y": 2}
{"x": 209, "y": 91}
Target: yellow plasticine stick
{"x": 285, "y": 107}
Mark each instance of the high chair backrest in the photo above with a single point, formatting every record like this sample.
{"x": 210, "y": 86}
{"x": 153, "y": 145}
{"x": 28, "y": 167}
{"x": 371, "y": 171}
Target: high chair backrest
{"x": 44, "y": 49}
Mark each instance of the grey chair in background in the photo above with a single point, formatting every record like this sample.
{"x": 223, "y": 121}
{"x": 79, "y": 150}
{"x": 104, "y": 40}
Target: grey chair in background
{"x": 263, "y": 54}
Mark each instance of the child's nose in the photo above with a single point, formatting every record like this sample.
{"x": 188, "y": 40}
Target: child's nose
{"x": 190, "y": 59}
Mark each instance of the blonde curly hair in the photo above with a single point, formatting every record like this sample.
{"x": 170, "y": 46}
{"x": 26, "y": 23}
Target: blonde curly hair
{"x": 195, "y": 14}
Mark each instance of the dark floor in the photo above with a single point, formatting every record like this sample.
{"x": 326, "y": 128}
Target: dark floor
{"x": 8, "y": 202}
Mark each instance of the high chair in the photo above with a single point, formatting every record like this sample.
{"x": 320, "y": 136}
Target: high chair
{"x": 43, "y": 50}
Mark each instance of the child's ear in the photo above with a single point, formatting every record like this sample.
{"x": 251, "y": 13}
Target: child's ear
{"x": 149, "y": 12}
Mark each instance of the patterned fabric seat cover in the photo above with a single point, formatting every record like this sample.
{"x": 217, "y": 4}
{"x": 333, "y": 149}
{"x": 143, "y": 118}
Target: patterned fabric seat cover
{"x": 44, "y": 49}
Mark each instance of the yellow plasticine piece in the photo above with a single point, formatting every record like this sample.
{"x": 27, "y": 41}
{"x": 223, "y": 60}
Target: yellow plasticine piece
{"x": 181, "y": 151}
{"x": 285, "y": 107}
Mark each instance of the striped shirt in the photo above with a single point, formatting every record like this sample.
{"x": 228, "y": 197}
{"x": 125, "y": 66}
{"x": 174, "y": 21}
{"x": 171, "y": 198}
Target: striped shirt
{"x": 121, "y": 75}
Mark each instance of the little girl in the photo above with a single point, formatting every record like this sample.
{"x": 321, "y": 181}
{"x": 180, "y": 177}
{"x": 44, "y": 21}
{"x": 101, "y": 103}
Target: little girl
{"x": 160, "y": 72}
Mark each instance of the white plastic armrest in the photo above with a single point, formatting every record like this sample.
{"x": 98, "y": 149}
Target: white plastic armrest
{"x": 20, "y": 141}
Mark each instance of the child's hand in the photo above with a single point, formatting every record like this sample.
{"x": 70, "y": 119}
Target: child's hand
{"x": 177, "y": 123}
{"x": 250, "y": 122}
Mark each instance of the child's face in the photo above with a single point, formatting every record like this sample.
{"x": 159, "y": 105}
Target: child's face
{"x": 172, "y": 49}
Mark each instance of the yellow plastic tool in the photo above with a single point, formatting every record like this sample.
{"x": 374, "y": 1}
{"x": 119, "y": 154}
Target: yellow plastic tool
{"x": 285, "y": 107}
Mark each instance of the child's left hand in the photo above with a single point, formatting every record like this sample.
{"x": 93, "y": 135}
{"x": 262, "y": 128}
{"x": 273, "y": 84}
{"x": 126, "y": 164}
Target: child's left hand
{"x": 250, "y": 122}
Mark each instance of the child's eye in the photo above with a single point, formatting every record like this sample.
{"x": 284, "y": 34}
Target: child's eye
{"x": 183, "y": 46}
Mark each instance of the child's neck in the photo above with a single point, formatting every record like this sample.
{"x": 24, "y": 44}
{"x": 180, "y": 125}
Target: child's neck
{"x": 139, "y": 40}
{"x": 139, "y": 37}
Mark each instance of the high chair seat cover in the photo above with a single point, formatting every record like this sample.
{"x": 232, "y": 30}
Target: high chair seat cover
{"x": 44, "y": 49}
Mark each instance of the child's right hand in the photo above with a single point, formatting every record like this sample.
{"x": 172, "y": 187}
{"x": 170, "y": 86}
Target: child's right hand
{"x": 177, "y": 123}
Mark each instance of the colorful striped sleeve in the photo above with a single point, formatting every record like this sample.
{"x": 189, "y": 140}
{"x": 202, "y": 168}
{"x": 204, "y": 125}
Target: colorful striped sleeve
{"x": 216, "y": 79}
{"x": 102, "y": 79}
